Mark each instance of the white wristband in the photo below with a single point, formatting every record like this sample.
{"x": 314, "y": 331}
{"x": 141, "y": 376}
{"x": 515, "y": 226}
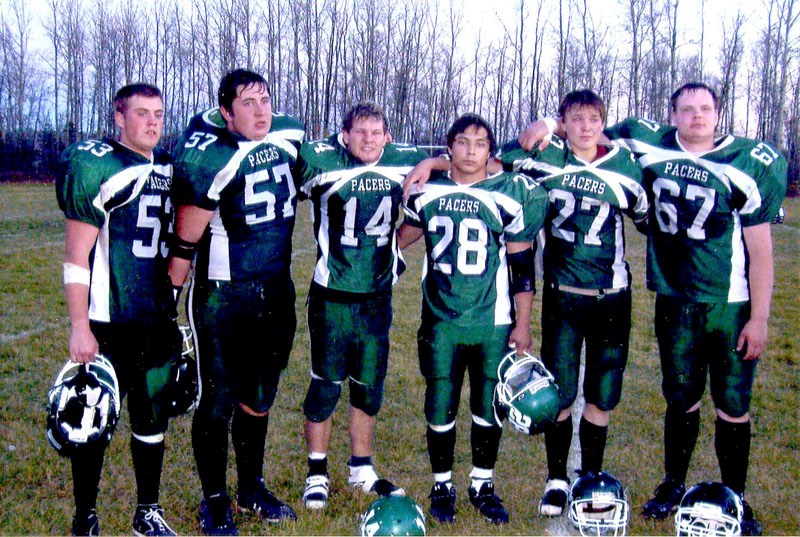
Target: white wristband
{"x": 551, "y": 124}
{"x": 76, "y": 274}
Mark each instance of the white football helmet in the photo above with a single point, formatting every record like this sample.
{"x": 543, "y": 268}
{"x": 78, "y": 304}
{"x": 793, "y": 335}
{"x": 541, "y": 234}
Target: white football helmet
{"x": 709, "y": 510}
{"x": 597, "y": 505}
{"x": 83, "y": 405}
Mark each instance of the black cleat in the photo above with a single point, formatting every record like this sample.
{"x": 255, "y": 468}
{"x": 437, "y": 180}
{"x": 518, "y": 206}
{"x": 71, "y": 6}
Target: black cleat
{"x": 216, "y": 517}
{"x": 488, "y": 503}
{"x": 554, "y": 499}
{"x": 750, "y": 526}
{"x": 148, "y": 521}
{"x": 262, "y": 502}
{"x": 86, "y": 524}
{"x": 443, "y": 502}
{"x": 667, "y": 497}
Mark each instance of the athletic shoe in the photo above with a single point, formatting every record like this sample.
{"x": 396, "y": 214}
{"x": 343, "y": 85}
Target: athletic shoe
{"x": 148, "y": 520}
{"x": 443, "y": 502}
{"x": 667, "y": 497}
{"x": 488, "y": 503}
{"x": 315, "y": 496}
{"x": 554, "y": 499}
{"x": 216, "y": 517}
{"x": 262, "y": 502}
{"x": 365, "y": 478}
{"x": 750, "y": 526}
{"x": 86, "y": 524}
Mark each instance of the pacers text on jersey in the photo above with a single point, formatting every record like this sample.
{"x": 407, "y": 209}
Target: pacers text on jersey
{"x": 686, "y": 171}
{"x": 263, "y": 156}
{"x": 159, "y": 182}
{"x": 459, "y": 205}
{"x": 583, "y": 183}
{"x": 369, "y": 184}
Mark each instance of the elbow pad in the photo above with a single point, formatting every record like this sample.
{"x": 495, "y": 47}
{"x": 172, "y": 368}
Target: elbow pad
{"x": 522, "y": 272}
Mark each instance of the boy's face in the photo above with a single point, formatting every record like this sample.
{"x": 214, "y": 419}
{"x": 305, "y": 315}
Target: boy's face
{"x": 251, "y": 112}
{"x": 695, "y": 116}
{"x": 366, "y": 139}
{"x": 470, "y": 151}
{"x": 583, "y": 126}
{"x": 141, "y": 124}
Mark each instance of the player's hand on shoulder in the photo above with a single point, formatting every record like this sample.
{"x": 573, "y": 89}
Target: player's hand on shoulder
{"x": 537, "y": 132}
{"x": 420, "y": 173}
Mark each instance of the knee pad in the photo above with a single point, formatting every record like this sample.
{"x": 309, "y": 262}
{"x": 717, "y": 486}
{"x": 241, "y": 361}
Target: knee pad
{"x": 365, "y": 397}
{"x": 321, "y": 399}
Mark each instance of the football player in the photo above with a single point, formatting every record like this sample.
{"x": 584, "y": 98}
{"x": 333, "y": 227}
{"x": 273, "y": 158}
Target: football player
{"x": 587, "y": 295}
{"x": 478, "y": 228}
{"x": 353, "y": 180}
{"x": 709, "y": 259}
{"x": 236, "y": 202}
{"x": 115, "y": 196}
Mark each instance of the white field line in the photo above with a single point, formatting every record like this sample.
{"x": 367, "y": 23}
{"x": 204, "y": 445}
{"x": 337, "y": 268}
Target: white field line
{"x": 561, "y": 525}
{"x": 10, "y": 338}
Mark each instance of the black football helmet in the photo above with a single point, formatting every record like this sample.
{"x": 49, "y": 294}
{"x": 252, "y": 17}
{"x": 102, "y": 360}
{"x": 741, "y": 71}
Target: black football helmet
{"x": 183, "y": 390}
{"x": 709, "y": 510}
{"x": 83, "y": 405}
{"x": 597, "y": 504}
{"x": 528, "y": 391}
{"x": 393, "y": 515}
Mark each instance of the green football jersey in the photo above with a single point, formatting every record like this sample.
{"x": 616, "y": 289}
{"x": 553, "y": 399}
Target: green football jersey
{"x": 126, "y": 196}
{"x": 584, "y": 232}
{"x": 698, "y": 206}
{"x": 355, "y": 208}
{"x": 466, "y": 228}
{"x": 249, "y": 185}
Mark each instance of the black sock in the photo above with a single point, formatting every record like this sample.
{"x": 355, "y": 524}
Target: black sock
{"x": 87, "y": 465}
{"x": 441, "y": 449}
{"x": 147, "y": 463}
{"x": 593, "y": 445}
{"x": 317, "y": 466}
{"x": 732, "y": 443}
{"x": 210, "y": 446}
{"x": 680, "y": 436}
{"x": 249, "y": 437}
{"x": 485, "y": 445}
{"x": 360, "y": 461}
{"x": 557, "y": 439}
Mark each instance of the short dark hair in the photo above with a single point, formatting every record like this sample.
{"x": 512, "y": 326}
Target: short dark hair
{"x": 466, "y": 121}
{"x": 582, "y": 99}
{"x": 131, "y": 90}
{"x": 230, "y": 83}
{"x": 365, "y": 110}
{"x": 692, "y": 87}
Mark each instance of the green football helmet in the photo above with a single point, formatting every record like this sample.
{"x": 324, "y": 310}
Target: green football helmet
{"x": 83, "y": 405}
{"x": 393, "y": 515}
{"x": 597, "y": 504}
{"x": 527, "y": 390}
{"x": 709, "y": 510}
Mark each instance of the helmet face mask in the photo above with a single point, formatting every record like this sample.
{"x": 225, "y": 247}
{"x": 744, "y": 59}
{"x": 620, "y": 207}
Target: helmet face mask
{"x": 183, "y": 390}
{"x": 598, "y": 505}
{"x": 393, "y": 515}
{"x": 709, "y": 509}
{"x": 527, "y": 390}
{"x": 83, "y": 405}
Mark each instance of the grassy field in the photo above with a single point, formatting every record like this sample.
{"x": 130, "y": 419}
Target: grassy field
{"x": 35, "y": 483}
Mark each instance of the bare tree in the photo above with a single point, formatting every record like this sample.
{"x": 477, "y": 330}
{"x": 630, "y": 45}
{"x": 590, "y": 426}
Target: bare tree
{"x": 730, "y": 57}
